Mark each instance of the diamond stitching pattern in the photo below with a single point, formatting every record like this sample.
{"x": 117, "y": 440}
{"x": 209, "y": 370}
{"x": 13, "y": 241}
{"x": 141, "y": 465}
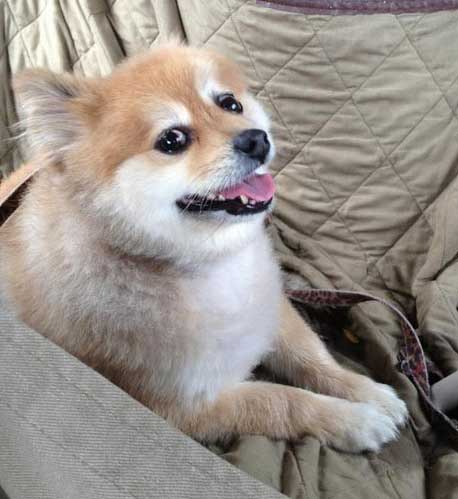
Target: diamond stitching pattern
{"x": 264, "y": 88}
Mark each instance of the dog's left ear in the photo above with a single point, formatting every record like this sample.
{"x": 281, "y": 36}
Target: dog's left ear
{"x": 52, "y": 109}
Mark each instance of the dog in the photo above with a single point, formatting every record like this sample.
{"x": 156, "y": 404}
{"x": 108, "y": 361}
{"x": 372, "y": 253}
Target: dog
{"x": 140, "y": 247}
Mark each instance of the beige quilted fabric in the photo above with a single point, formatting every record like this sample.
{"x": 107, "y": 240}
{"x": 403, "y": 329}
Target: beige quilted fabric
{"x": 364, "y": 119}
{"x": 364, "y": 113}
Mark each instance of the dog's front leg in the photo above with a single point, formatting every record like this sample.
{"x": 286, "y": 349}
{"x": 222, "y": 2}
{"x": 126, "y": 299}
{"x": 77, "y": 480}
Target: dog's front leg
{"x": 302, "y": 358}
{"x": 279, "y": 411}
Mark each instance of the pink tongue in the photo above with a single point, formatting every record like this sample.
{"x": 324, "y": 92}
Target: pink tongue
{"x": 257, "y": 187}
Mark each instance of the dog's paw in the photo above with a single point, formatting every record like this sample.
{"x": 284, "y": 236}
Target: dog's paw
{"x": 362, "y": 427}
{"x": 386, "y": 399}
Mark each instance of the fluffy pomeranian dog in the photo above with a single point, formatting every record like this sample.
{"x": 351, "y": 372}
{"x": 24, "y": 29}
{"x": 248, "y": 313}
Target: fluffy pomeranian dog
{"x": 140, "y": 248}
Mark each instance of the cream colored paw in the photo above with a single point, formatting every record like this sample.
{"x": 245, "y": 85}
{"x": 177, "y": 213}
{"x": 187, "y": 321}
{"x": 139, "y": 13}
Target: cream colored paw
{"x": 384, "y": 397}
{"x": 362, "y": 427}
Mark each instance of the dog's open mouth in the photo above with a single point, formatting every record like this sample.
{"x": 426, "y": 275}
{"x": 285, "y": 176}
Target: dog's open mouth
{"x": 251, "y": 196}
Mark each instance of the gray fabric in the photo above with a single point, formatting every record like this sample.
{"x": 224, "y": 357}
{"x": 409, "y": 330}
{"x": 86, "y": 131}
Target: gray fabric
{"x": 68, "y": 433}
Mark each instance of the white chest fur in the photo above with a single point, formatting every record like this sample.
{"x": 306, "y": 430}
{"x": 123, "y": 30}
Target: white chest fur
{"x": 193, "y": 335}
{"x": 233, "y": 307}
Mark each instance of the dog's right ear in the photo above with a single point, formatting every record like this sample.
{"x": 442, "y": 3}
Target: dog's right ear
{"x": 52, "y": 109}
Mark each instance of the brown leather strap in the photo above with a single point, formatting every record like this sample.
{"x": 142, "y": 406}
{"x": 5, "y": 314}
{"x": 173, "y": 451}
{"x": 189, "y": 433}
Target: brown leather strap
{"x": 12, "y": 187}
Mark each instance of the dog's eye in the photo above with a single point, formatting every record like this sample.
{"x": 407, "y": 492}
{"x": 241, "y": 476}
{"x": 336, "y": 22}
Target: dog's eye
{"x": 229, "y": 103}
{"x": 173, "y": 141}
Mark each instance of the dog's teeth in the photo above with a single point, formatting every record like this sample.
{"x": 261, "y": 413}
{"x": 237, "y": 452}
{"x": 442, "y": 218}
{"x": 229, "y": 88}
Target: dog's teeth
{"x": 244, "y": 199}
{"x": 211, "y": 197}
{"x": 221, "y": 198}
{"x": 252, "y": 201}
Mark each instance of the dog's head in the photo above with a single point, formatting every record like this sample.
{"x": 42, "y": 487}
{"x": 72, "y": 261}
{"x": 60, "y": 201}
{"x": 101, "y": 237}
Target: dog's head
{"x": 171, "y": 147}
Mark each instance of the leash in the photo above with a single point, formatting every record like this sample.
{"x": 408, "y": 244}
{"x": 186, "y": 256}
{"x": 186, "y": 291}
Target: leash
{"x": 412, "y": 360}
{"x": 12, "y": 188}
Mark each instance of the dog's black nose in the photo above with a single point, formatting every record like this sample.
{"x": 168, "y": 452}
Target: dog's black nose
{"x": 254, "y": 143}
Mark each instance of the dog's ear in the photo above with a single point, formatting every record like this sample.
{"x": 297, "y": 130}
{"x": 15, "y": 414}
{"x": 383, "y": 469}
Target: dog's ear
{"x": 52, "y": 109}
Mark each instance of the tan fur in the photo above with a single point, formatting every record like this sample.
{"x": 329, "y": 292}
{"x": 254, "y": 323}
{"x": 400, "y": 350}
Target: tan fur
{"x": 118, "y": 113}
{"x": 176, "y": 310}
{"x": 13, "y": 182}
